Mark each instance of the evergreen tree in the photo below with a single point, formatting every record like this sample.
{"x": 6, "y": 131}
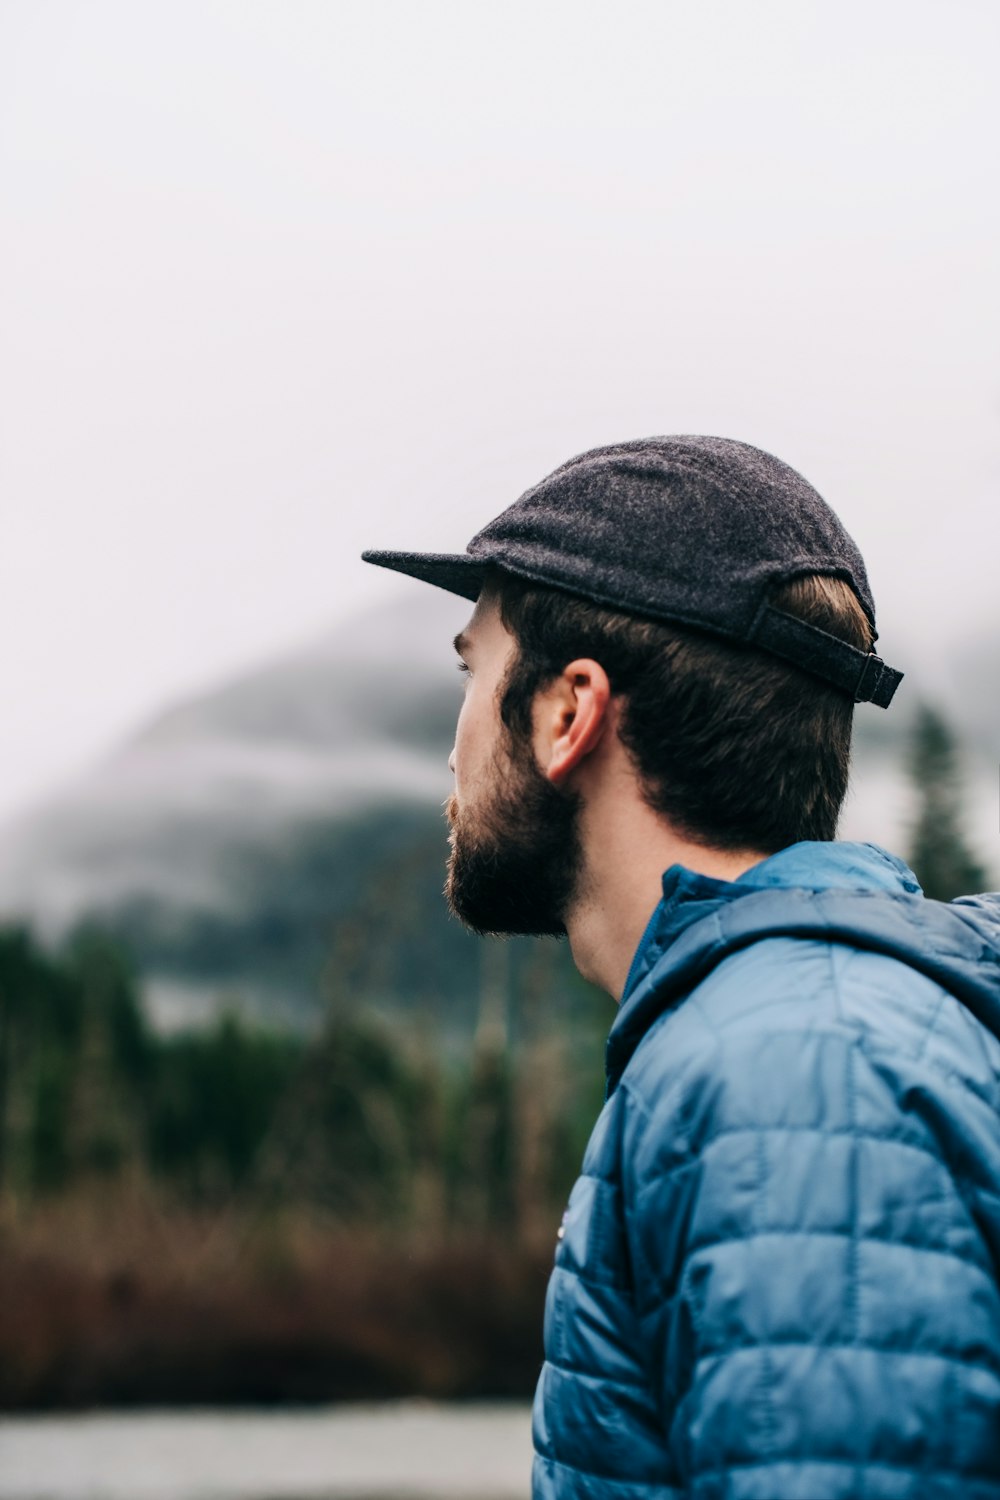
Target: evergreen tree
{"x": 39, "y": 1039}
{"x": 106, "y": 1109}
{"x": 941, "y": 858}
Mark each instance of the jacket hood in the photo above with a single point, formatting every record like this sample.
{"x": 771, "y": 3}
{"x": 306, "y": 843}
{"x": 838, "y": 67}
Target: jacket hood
{"x": 850, "y": 893}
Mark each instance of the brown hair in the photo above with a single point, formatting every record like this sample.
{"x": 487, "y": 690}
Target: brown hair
{"x": 739, "y": 749}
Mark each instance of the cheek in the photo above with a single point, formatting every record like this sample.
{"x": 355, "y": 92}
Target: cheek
{"x": 471, "y": 736}
{"x": 460, "y": 754}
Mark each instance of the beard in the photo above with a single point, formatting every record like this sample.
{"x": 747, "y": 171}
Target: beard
{"x": 516, "y": 855}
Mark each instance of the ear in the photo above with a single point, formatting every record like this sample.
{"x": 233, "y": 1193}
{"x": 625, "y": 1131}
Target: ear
{"x": 571, "y": 715}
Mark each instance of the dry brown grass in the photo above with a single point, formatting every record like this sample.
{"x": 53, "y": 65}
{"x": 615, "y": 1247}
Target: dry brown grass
{"x": 124, "y": 1299}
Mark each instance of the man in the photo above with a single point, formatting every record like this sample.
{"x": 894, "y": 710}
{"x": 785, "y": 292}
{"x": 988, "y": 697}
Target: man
{"x": 778, "y": 1272}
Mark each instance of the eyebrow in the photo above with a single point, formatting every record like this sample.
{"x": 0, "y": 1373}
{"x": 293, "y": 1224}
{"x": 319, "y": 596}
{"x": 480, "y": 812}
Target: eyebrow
{"x": 461, "y": 643}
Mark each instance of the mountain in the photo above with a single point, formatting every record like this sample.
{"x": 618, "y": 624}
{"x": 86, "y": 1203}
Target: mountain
{"x": 231, "y": 842}
{"x": 279, "y": 842}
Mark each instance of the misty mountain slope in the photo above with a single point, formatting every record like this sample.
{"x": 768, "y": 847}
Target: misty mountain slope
{"x": 280, "y": 839}
{"x": 347, "y": 723}
{"x": 385, "y": 674}
{"x": 226, "y": 840}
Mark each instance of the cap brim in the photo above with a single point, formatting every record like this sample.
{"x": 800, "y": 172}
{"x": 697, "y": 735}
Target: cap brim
{"x": 456, "y": 572}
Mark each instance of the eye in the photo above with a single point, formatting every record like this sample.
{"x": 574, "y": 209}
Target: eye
{"x": 461, "y": 666}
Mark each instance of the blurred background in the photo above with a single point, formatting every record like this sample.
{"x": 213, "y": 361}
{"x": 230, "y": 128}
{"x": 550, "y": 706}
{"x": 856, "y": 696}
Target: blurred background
{"x": 280, "y": 281}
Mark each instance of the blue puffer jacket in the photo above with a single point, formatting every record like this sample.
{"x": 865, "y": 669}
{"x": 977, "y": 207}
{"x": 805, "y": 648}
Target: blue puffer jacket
{"x": 778, "y": 1273}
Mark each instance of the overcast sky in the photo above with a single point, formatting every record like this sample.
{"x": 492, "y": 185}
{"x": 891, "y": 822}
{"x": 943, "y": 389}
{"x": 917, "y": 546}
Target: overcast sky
{"x": 282, "y": 280}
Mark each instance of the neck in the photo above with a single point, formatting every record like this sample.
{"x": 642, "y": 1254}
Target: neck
{"x": 627, "y": 847}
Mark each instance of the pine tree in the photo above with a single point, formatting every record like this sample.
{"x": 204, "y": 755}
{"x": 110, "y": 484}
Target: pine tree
{"x": 941, "y": 858}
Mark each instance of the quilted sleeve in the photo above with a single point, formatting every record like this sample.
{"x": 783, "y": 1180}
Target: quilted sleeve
{"x": 817, "y": 1302}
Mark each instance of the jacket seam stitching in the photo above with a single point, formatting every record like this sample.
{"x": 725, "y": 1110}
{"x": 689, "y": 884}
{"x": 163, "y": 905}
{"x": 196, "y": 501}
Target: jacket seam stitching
{"x": 861, "y": 1346}
{"x": 621, "y": 1287}
{"x": 767, "y": 1366}
{"x": 609, "y": 1380}
{"x": 802, "y": 1461}
{"x": 648, "y": 1484}
{"x": 832, "y": 1132}
{"x": 918, "y": 1055}
{"x": 818, "y": 1234}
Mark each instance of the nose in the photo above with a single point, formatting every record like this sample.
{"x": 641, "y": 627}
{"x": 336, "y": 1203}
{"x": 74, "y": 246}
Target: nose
{"x": 451, "y": 761}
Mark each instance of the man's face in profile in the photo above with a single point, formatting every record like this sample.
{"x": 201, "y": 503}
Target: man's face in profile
{"x": 515, "y": 845}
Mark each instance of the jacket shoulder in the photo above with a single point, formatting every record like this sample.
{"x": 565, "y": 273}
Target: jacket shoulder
{"x": 797, "y": 1037}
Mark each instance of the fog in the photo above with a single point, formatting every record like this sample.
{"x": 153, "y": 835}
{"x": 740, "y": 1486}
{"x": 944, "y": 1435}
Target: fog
{"x": 282, "y": 281}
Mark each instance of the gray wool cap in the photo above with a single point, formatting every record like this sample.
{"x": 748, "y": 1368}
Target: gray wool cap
{"x": 692, "y": 530}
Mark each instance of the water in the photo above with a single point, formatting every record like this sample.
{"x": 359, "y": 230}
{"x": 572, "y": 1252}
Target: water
{"x": 403, "y": 1451}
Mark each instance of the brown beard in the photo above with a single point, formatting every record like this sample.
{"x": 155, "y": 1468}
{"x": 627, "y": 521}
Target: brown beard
{"x": 516, "y": 856}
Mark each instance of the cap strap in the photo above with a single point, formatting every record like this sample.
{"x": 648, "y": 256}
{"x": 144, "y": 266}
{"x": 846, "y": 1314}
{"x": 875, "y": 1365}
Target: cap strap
{"x": 862, "y": 674}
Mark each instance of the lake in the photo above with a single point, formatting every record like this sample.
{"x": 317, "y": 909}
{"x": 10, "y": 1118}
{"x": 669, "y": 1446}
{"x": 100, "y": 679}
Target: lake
{"x": 410, "y": 1449}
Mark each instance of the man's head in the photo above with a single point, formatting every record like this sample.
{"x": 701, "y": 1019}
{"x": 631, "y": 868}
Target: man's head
{"x": 736, "y": 749}
{"x": 686, "y": 612}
